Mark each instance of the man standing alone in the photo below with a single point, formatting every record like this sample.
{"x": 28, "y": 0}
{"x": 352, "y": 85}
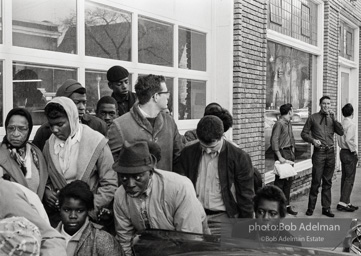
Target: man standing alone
{"x": 319, "y": 130}
{"x": 283, "y": 146}
{"x": 348, "y": 156}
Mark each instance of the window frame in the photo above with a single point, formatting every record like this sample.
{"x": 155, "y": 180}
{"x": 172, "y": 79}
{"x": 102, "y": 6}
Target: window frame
{"x": 81, "y": 62}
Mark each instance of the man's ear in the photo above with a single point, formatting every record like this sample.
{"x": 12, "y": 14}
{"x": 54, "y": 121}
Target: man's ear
{"x": 110, "y": 85}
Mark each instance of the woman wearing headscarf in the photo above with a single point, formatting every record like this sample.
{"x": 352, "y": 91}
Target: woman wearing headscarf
{"x": 21, "y": 160}
{"x": 76, "y": 152}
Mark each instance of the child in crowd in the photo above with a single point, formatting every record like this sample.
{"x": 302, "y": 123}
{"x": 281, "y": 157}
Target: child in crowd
{"x": 82, "y": 236}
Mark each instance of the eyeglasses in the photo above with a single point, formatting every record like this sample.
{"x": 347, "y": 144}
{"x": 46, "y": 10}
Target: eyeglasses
{"x": 167, "y": 92}
{"x": 13, "y": 128}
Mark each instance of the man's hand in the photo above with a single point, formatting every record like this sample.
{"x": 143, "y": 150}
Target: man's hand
{"x": 282, "y": 160}
{"x": 331, "y": 113}
{"x": 51, "y": 198}
{"x": 317, "y": 143}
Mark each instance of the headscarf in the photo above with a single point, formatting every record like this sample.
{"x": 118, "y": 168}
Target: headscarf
{"x": 19, "y": 153}
{"x": 62, "y": 149}
{"x": 20, "y": 112}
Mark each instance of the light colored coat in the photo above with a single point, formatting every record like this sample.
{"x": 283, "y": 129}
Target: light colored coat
{"x": 172, "y": 204}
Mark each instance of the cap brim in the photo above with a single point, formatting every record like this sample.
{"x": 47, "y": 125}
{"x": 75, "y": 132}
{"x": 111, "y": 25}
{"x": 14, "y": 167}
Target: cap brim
{"x": 132, "y": 169}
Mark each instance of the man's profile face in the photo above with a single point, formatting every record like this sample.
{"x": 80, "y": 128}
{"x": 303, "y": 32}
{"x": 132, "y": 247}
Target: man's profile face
{"x": 107, "y": 112}
{"x": 135, "y": 184}
{"x": 119, "y": 87}
{"x": 80, "y": 102}
{"x": 325, "y": 105}
{"x": 268, "y": 210}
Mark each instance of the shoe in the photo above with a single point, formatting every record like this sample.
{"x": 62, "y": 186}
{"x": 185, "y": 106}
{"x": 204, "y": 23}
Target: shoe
{"x": 328, "y": 213}
{"x": 353, "y": 207}
{"x": 309, "y": 212}
{"x": 345, "y": 208}
{"x": 290, "y": 211}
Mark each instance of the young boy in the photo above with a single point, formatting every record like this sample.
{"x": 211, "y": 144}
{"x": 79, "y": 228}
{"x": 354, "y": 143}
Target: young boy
{"x": 82, "y": 236}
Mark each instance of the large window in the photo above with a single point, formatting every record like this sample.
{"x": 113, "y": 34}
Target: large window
{"x": 107, "y": 32}
{"x": 155, "y": 42}
{"x": 288, "y": 81}
{"x": 191, "y": 49}
{"x": 46, "y": 25}
{"x": 295, "y": 18}
{"x": 35, "y": 85}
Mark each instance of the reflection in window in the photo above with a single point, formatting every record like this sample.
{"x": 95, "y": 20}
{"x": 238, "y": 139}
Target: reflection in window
{"x": 107, "y": 32}
{"x": 192, "y": 49}
{"x": 96, "y": 85}
{"x": 46, "y": 25}
{"x": 192, "y": 98}
{"x": 35, "y": 85}
{"x": 288, "y": 81}
{"x": 155, "y": 42}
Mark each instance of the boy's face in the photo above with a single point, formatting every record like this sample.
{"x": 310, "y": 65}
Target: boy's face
{"x": 73, "y": 213}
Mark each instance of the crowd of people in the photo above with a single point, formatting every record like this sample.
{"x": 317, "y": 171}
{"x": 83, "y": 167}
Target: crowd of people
{"x": 88, "y": 185}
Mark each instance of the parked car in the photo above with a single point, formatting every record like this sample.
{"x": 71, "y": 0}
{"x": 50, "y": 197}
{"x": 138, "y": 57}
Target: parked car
{"x": 165, "y": 242}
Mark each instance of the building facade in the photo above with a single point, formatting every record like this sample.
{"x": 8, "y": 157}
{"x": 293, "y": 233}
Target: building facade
{"x": 292, "y": 51}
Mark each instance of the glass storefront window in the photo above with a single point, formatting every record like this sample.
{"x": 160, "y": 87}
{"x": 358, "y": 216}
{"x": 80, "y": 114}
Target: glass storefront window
{"x": 295, "y": 18}
{"x": 155, "y": 42}
{"x": 191, "y": 49}
{"x": 45, "y": 25}
{"x": 107, "y": 32}
{"x": 1, "y": 94}
{"x": 288, "y": 81}
{"x": 35, "y": 85}
{"x": 191, "y": 99}
{"x": 96, "y": 85}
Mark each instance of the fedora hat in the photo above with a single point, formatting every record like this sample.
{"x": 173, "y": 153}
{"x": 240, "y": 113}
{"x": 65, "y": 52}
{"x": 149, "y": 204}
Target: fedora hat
{"x": 134, "y": 158}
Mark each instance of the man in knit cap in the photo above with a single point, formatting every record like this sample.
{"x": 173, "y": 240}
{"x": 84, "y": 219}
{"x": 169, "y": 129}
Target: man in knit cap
{"x": 118, "y": 82}
{"x": 76, "y": 92}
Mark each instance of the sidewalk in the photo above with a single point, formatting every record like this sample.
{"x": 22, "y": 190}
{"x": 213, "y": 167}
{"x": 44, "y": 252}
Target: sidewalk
{"x": 300, "y": 204}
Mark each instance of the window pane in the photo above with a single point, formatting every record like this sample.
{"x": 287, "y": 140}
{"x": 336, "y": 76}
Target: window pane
{"x": 1, "y": 22}
{"x": 192, "y": 98}
{"x": 288, "y": 81}
{"x": 35, "y": 85}
{"x": 46, "y": 25}
{"x": 107, "y": 32}
{"x": 155, "y": 42}
{"x": 192, "y": 49}
{"x": 96, "y": 85}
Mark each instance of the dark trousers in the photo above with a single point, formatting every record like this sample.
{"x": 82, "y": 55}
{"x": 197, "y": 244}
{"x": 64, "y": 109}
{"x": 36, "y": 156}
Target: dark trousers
{"x": 285, "y": 184}
{"x": 348, "y": 162}
{"x": 323, "y": 161}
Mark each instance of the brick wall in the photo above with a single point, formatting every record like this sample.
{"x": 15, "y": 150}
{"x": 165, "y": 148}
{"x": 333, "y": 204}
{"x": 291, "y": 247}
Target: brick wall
{"x": 249, "y": 77}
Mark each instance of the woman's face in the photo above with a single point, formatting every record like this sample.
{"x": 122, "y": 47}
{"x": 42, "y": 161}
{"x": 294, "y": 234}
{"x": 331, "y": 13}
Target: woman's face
{"x": 17, "y": 130}
{"x": 60, "y": 127}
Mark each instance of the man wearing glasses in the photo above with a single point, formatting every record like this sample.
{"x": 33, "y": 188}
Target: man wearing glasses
{"x": 147, "y": 121}
{"x": 118, "y": 82}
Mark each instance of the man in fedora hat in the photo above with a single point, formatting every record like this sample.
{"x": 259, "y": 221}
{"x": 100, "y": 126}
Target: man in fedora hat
{"x": 151, "y": 198}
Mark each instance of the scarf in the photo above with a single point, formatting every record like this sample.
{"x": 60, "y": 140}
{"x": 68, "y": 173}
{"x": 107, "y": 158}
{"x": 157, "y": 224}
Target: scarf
{"x": 19, "y": 153}
{"x": 62, "y": 149}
